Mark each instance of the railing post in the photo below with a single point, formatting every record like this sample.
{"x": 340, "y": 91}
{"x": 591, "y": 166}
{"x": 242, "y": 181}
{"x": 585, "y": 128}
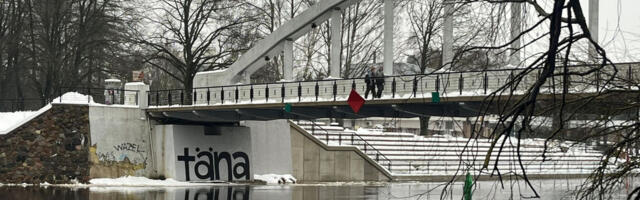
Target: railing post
{"x": 237, "y": 94}
{"x": 208, "y": 96}
{"x": 195, "y": 96}
{"x": 415, "y": 85}
{"x": 335, "y": 90}
{"x": 157, "y": 98}
{"x": 299, "y": 91}
{"x": 169, "y": 98}
{"x": 326, "y": 135}
{"x": 148, "y": 97}
{"x": 460, "y": 83}
{"x": 317, "y": 90}
{"x": 282, "y": 91}
{"x": 251, "y": 94}
{"x": 266, "y": 93}
{"x": 89, "y": 95}
{"x": 393, "y": 87}
{"x": 377, "y": 157}
{"x": 364, "y": 145}
{"x": 437, "y": 82}
{"x": 486, "y": 82}
{"x": 222, "y": 95}
{"x": 182, "y": 97}
{"x": 352, "y": 138}
{"x": 389, "y": 165}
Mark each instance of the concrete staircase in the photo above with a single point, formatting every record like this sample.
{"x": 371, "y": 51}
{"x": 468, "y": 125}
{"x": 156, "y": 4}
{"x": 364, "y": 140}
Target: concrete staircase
{"x": 442, "y": 155}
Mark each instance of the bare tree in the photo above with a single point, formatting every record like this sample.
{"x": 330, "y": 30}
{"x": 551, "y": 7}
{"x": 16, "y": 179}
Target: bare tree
{"x": 550, "y": 94}
{"x": 193, "y": 36}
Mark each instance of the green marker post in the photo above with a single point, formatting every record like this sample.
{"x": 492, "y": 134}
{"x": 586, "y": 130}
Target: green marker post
{"x": 435, "y": 97}
{"x": 287, "y": 107}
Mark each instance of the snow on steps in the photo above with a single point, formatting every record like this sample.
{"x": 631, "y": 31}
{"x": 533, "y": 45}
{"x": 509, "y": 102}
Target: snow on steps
{"x": 440, "y": 154}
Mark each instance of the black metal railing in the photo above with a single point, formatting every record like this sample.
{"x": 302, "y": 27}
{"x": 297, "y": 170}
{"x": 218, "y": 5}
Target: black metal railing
{"x": 95, "y": 95}
{"x": 400, "y": 86}
{"x": 357, "y": 141}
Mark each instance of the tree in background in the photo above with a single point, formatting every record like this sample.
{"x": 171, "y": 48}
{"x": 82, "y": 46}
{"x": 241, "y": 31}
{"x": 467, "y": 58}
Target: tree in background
{"x": 191, "y": 36}
{"x": 49, "y": 47}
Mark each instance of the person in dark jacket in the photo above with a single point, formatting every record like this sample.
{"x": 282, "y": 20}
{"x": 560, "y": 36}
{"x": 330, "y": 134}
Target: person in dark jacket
{"x": 379, "y": 81}
{"x": 370, "y": 86}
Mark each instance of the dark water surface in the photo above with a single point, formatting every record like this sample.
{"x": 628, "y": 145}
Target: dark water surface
{"x": 549, "y": 189}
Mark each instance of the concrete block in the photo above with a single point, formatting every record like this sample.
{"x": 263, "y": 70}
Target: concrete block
{"x": 342, "y": 163}
{"x": 370, "y": 172}
{"x": 297, "y": 158}
{"x": 327, "y": 165}
{"x": 311, "y": 163}
{"x": 356, "y": 167}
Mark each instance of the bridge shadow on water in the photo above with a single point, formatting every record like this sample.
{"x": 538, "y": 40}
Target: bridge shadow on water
{"x": 549, "y": 189}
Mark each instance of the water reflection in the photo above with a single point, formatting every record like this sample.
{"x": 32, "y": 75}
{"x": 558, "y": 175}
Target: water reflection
{"x": 549, "y": 189}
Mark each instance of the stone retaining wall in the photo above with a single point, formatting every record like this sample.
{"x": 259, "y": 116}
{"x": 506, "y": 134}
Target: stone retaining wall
{"x": 52, "y": 147}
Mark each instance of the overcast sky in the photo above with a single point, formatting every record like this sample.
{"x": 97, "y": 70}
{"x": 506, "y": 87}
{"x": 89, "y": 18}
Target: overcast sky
{"x": 620, "y": 28}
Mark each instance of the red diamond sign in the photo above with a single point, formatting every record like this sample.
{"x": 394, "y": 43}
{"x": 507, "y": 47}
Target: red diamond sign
{"x": 355, "y": 101}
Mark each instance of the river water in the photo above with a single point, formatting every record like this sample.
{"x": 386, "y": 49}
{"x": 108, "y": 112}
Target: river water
{"x": 548, "y": 189}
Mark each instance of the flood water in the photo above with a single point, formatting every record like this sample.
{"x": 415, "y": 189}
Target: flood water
{"x": 548, "y": 189}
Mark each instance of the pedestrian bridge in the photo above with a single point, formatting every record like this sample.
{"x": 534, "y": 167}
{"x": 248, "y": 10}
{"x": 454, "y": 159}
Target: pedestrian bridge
{"x": 460, "y": 94}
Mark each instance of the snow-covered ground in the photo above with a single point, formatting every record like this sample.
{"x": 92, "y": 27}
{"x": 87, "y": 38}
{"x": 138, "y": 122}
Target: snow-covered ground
{"x": 275, "y": 178}
{"x": 134, "y": 181}
{"x": 12, "y": 120}
{"x": 409, "y": 154}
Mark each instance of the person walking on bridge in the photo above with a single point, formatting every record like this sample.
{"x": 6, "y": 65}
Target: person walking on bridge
{"x": 379, "y": 81}
{"x": 368, "y": 80}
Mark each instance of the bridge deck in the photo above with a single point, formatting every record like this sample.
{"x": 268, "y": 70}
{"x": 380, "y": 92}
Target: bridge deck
{"x": 460, "y": 93}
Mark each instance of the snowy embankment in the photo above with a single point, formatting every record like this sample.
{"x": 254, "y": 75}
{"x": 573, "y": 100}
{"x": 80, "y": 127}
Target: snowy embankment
{"x": 13, "y": 120}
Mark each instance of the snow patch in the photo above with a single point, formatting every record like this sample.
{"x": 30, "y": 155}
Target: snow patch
{"x": 13, "y": 120}
{"x": 141, "y": 181}
{"x": 74, "y": 98}
{"x": 275, "y": 178}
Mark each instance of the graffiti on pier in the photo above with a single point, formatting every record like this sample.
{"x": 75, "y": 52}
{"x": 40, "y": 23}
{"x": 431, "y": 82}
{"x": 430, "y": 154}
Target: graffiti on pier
{"x": 210, "y": 161}
{"x": 132, "y": 152}
{"x": 128, "y": 147}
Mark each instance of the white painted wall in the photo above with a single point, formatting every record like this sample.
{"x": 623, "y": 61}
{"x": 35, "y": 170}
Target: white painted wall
{"x": 120, "y": 133}
{"x": 170, "y": 142}
{"x": 271, "y": 142}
